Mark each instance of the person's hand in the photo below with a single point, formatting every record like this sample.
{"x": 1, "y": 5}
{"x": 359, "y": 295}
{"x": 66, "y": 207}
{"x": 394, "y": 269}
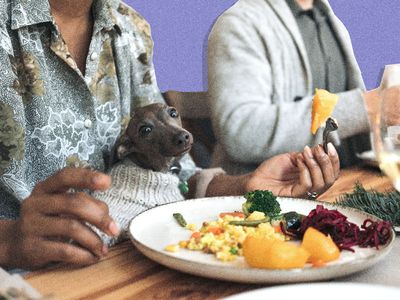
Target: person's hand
{"x": 297, "y": 174}
{"x": 52, "y": 228}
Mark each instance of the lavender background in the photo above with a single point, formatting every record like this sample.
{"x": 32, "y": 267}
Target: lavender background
{"x": 180, "y": 29}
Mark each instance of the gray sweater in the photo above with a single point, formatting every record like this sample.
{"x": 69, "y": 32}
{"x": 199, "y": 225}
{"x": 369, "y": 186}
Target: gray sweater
{"x": 258, "y": 72}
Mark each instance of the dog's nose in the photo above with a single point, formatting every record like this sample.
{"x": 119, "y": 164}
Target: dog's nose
{"x": 182, "y": 138}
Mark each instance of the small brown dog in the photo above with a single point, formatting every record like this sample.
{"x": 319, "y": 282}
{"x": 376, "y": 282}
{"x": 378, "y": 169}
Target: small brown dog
{"x": 145, "y": 174}
{"x": 154, "y": 138}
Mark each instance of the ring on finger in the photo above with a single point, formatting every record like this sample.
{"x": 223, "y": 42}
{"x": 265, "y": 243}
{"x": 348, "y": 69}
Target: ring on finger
{"x": 312, "y": 195}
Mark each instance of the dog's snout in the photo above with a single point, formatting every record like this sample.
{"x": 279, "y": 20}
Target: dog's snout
{"x": 182, "y": 138}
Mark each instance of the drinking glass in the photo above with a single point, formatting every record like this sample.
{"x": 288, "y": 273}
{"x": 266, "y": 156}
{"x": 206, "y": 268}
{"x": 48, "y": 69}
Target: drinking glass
{"x": 386, "y": 125}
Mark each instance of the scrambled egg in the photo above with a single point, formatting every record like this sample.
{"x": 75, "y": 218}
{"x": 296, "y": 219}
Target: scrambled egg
{"x": 225, "y": 240}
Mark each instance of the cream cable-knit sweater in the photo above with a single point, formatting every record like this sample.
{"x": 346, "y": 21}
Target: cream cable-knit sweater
{"x": 135, "y": 190}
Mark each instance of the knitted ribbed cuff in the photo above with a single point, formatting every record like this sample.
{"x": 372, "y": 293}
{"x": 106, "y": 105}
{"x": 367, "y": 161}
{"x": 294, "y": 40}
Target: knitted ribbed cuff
{"x": 204, "y": 178}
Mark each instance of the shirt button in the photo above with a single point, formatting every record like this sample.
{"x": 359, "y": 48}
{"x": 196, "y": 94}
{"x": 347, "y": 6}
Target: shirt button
{"x": 87, "y": 123}
{"x": 94, "y": 56}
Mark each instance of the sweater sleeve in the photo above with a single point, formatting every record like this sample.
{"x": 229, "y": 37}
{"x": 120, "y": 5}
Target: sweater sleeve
{"x": 248, "y": 122}
{"x": 351, "y": 114}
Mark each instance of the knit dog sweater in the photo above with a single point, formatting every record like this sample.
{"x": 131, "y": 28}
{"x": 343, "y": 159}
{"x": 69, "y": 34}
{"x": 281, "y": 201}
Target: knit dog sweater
{"x": 133, "y": 191}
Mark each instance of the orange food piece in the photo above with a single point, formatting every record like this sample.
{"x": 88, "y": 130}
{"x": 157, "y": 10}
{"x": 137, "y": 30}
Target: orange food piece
{"x": 261, "y": 252}
{"x": 321, "y": 247}
{"x": 215, "y": 230}
{"x": 196, "y": 235}
{"x": 233, "y": 214}
{"x": 255, "y": 250}
{"x": 323, "y": 105}
{"x": 318, "y": 263}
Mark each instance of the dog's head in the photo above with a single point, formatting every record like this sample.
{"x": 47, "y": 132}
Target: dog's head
{"x": 154, "y": 137}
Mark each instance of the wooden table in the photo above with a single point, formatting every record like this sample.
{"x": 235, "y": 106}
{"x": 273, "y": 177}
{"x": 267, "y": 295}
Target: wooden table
{"x": 126, "y": 274}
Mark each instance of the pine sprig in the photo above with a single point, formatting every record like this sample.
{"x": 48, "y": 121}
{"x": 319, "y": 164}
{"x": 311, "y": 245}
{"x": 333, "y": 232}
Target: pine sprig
{"x": 385, "y": 206}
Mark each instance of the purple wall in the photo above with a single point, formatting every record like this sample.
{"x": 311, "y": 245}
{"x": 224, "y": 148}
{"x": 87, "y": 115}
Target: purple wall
{"x": 180, "y": 29}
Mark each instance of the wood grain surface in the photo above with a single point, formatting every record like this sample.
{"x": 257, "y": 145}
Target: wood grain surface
{"x": 126, "y": 274}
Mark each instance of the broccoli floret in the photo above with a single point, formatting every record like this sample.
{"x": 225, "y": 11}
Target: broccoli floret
{"x": 263, "y": 201}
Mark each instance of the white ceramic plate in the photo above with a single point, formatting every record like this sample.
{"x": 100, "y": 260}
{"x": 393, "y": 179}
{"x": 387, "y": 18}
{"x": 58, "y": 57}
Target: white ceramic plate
{"x": 327, "y": 291}
{"x": 154, "y": 229}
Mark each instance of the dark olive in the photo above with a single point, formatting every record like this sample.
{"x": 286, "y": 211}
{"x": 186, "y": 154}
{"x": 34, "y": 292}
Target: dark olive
{"x": 292, "y": 220}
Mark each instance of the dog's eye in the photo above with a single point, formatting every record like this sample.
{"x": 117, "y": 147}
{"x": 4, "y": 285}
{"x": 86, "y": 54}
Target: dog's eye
{"x": 144, "y": 130}
{"x": 173, "y": 113}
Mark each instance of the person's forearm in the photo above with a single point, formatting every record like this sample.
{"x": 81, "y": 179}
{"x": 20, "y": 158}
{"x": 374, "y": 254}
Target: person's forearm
{"x": 351, "y": 113}
{"x": 227, "y": 185}
{"x": 6, "y": 238}
{"x": 255, "y": 131}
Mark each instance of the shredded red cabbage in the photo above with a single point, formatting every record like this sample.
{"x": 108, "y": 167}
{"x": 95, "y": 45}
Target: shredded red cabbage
{"x": 344, "y": 233}
{"x": 374, "y": 234}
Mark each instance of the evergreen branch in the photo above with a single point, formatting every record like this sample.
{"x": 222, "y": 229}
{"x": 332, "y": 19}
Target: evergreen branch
{"x": 385, "y": 206}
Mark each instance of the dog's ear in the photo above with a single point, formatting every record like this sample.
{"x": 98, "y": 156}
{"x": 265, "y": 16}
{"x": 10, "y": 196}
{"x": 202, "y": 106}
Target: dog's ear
{"x": 123, "y": 147}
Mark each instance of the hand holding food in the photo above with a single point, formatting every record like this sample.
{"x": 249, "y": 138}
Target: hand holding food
{"x": 295, "y": 174}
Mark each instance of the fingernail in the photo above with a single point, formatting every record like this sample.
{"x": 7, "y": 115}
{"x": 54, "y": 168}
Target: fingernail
{"x": 101, "y": 180}
{"x": 114, "y": 229}
{"x": 320, "y": 151}
{"x": 299, "y": 161}
{"x": 331, "y": 149}
{"x": 308, "y": 152}
{"x": 98, "y": 178}
{"x": 104, "y": 249}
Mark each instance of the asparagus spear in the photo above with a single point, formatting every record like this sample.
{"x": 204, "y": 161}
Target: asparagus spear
{"x": 180, "y": 219}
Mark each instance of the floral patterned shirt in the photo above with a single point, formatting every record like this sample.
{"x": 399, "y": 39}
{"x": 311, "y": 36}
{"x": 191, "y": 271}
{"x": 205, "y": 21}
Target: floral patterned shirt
{"x": 51, "y": 115}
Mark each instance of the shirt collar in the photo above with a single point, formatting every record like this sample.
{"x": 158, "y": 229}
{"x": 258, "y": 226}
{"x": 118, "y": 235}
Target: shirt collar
{"x": 318, "y": 10}
{"x": 29, "y": 12}
{"x": 104, "y": 15}
{"x": 295, "y": 8}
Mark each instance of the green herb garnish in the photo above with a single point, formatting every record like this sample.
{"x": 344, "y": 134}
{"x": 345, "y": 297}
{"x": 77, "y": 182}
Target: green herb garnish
{"x": 385, "y": 206}
{"x": 234, "y": 251}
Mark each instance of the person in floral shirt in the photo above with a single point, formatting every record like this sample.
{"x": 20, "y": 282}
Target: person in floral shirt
{"x": 71, "y": 73}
